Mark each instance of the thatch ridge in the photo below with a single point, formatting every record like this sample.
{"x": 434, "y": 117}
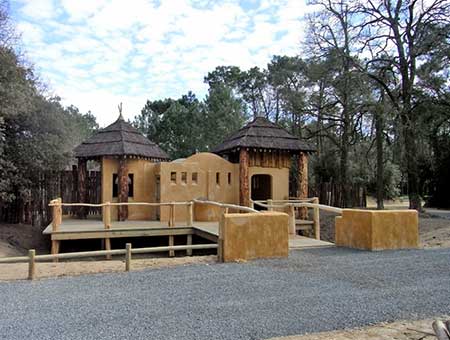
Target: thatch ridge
{"x": 263, "y": 134}
{"x": 119, "y": 139}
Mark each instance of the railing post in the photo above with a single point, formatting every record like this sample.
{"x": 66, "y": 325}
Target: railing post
{"x": 270, "y": 207}
{"x": 171, "y": 224}
{"x": 56, "y": 222}
{"x": 190, "y": 214}
{"x": 107, "y": 223}
{"x": 189, "y": 243}
{"x": 292, "y": 230}
{"x": 316, "y": 219}
{"x": 31, "y": 264}
{"x": 252, "y": 204}
{"x": 128, "y": 257}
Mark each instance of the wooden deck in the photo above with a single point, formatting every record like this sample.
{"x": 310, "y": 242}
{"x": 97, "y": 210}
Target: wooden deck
{"x": 77, "y": 229}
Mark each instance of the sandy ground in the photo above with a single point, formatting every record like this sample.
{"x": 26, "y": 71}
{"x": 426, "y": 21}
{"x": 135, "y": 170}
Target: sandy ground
{"x": 399, "y": 330}
{"x": 19, "y": 271}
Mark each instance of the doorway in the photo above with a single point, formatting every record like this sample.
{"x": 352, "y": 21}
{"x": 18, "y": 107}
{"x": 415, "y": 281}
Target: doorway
{"x": 261, "y": 189}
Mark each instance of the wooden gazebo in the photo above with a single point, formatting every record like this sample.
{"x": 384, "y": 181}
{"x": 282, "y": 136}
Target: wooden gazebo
{"x": 262, "y": 143}
{"x": 120, "y": 141}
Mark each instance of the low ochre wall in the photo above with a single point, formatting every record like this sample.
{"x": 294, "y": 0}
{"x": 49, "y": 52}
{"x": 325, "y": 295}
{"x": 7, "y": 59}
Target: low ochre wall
{"x": 377, "y": 230}
{"x": 253, "y": 235}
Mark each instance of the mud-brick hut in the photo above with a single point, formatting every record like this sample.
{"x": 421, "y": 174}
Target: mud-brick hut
{"x": 264, "y": 152}
{"x": 127, "y": 160}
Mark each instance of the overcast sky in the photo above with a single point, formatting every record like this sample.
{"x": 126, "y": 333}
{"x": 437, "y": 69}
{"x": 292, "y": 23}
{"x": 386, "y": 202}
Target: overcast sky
{"x": 97, "y": 53}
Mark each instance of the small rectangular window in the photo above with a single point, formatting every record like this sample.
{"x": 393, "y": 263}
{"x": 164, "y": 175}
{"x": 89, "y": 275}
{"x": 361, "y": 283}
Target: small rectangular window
{"x": 194, "y": 178}
{"x": 173, "y": 177}
{"x": 229, "y": 178}
{"x": 183, "y": 177}
{"x": 218, "y": 178}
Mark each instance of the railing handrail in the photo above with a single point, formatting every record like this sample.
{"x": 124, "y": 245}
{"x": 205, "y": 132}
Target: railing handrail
{"x": 226, "y": 205}
{"x": 81, "y": 254}
{"x": 154, "y": 204}
{"x": 286, "y": 203}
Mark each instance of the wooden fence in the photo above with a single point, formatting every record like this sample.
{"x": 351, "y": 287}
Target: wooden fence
{"x": 332, "y": 194}
{"x": 33, "y": 208}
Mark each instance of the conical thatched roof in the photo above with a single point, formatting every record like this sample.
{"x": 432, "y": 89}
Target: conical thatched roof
{"x": 119, "y": 139}
{"x": 263, "y": 134}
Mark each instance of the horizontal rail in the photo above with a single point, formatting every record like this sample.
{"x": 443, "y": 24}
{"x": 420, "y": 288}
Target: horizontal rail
{"x": 81, "y": 254}
{"x": 227, "y": 205}
{"x": 116, "y": 204}
{"x": 300, "y": 205}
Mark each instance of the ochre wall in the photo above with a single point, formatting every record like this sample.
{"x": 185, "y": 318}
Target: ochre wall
{"x": 144, "y": 187}
{"x": 253, "y": 235}
{"x": 206, "y": 165}
{"x": 377, "y": 230}
{"x": 280, "y": 181}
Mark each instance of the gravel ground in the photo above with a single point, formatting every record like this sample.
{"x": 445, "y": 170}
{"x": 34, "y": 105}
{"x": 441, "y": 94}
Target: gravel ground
{"x": 314, "y": 290}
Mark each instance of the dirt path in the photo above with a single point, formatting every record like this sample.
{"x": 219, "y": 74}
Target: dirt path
{"x": 399, "y": 330}
{"x": 19, "y": 271}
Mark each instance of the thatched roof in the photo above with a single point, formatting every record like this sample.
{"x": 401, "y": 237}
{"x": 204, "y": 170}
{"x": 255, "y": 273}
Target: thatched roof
{"x": 119, "y": 139}
{"x": 263, "y": 134}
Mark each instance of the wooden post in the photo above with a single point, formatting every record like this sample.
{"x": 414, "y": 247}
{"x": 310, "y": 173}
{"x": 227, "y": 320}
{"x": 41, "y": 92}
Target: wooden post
{"x": 270, "y": 203}
{"x": 189, "y": 242}
{"x": 82, "y": 176}
{"x": 190, "y": 214}
{"x": 128, "y": 257}
{"x": 291, "y": 213}
{"x": 107, "y": 224}
{"x": 316, "y": 220}
{"x": 122, "y": 175}
{"x": 56, "y": 222}
{"x": 303, "y": 182}
{"x": 244, "y": 191}
{"x": 171, "y": 243}
{"x": 31, "y": 264}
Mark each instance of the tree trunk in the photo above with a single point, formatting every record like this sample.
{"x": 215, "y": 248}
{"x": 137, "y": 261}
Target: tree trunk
{"x": 244, "y": 191}
{"x": 122, "y": 175}
{"x": 82, "y": 173}
{"x": 379, "y": 145}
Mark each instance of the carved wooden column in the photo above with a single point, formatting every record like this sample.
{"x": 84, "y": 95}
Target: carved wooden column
{"x": 303, "y": 181}
{"x": 82, "y": 176}
{"x": 244, "y": 192}
{"x": 122, "y": 177}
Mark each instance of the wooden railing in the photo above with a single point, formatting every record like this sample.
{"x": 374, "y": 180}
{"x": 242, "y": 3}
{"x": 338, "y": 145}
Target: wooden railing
{"x": 32, "y": 258}
{"x": 291, "y": 204}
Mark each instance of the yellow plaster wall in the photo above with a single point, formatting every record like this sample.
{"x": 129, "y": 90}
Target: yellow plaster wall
{"x": 254, "y": 235}
{"x": 143, "y": 191}
{"x": 206, "y": 165}
{"x": 377, "y": 230}
{"x": 280, "y": 181}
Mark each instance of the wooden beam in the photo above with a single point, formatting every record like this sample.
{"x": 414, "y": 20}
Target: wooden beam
{"x": 31, "y": 264}
{"x": 244, "y": 191}
{"x": 122, "y": 175}
{"x": 303, "y": 182}
{"x": 82, "y": 195}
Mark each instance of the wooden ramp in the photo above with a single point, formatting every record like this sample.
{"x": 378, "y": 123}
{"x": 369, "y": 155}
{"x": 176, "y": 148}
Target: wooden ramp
{"x": 77, "y": 229}
{"x": 302, "y": 242}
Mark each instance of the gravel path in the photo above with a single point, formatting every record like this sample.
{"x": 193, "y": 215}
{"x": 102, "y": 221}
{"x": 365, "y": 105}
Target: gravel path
{"x": 313, "y": 290}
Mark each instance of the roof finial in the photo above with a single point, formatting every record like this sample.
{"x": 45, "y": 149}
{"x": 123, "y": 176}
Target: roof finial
{"x": 120, "y": 111}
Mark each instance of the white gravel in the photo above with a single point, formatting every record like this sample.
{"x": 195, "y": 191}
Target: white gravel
{"x": 313, "y": 290}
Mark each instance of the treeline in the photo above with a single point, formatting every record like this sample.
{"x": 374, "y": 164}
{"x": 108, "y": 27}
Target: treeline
{"x": 370, "y": 90}
{"x": 37, "y": 133}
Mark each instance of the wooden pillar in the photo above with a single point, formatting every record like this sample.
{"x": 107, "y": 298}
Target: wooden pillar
{"x": 302, "y": 192}
{"x": 122, "y": 175}
{"x": 82, "y": 176}
{"x": 107, "y": 224}
{"x": 244, "y": 191}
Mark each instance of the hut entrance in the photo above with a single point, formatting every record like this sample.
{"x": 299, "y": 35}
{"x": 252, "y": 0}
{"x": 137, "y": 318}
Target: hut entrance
{"x": 261, "y": 188}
